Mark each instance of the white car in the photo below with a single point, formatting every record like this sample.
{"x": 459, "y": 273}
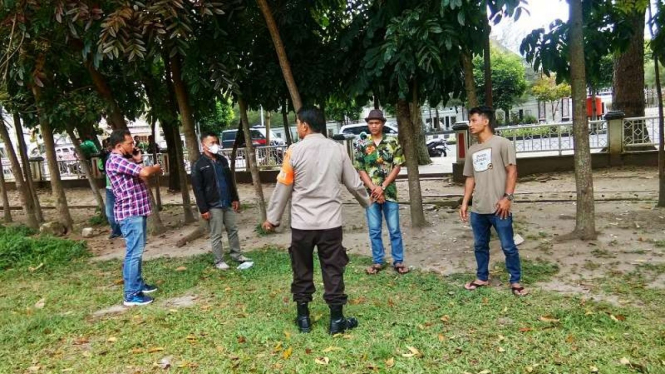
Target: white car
{"x": 274, "y": 139}
{"x": 358, "y": 128}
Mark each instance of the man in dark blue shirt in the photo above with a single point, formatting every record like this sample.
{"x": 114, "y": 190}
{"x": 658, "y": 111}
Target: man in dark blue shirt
{"x": 217, "y": 199}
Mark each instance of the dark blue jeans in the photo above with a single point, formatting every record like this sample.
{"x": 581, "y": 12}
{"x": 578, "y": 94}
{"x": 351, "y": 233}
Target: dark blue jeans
{"x": 481, "y": 225}
{"x": 390, "y": 210}
{"x": 110, "y": 203}
{"x": 134, "y": 231}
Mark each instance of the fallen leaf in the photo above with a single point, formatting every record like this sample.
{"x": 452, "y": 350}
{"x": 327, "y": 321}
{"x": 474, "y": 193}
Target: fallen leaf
{"x": 525, "y": 329}
{"x": 360, "y": 300}
{"x": 529, "y": 369}
{"x": 332, "y": 348}
{"x": 624, "y": 361}
{"x": 308, "y": 350}
{"x": 390, "y": 362}
{"x": 570, "y": 339}
{"x": 112, "y": 339}
{"x": 505, "y": 309}
{"x": 445, "y": 318}
{"x": 441, "y": 337}
{"x": 502, "y": 338}
{"x": 414, "y": 352}
{"x": 191, "y": 339}
{"x": 181, "y": 268}
{"x": 617, "y": 318}
{"x": 241, "y": 339}
{"x": 287, "y": 335}
{"x": 548, "y": 319}
{"x": 155, "y": 349}
{"x": 593, "y": 369}
{"x": 118, "y": 282}
{"x": 501, "y": 349}
{"x": 36, "y": 267}
{"x": 278, "y": 347}
{"x": 136, "y": 351}
{"x": 287, "y": 353}
{"x": 40, "y": 304}
{"x": 81, "y": 340}
{"x": 484, "y": 372}
{"x": 34, "y": 368}
{"x": 322, "y": 360}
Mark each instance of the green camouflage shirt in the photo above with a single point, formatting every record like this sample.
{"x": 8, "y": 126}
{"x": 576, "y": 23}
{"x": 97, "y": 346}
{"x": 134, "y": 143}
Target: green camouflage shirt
{"x": 379, "y": 160}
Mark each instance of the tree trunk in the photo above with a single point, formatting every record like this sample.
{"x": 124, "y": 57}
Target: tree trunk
{"x": 408, "y": 135}
{"x": 158, "y": 195}
{"x": 86, "y": 169}
{"x": 182, "y": 96}
{"x": 417, "y": 123}
{"x": 155, "y": 224}
{"x": 661, "y": 138}
{"x": 26, "y": 198}
{"x": 114, "y": 117}
{"x": 174, "y": 171}
{"x": 23, "y": 152}
{"x": 54, "y": 171}
{"x": 377, "y": 104}
{"x": 287, "y": 128}
{"x": 469, "y": 82}
{"x": 281, "y": 54}
{"x": 6, "y": 208}
{"x": 628, "y": 81}
{"x": 234, "y": 151}
{"x": 585, "y": 226}
{"x": 487, "y": 62}
{"x": 184, "y": 188}
{"x": 250, "y": 156}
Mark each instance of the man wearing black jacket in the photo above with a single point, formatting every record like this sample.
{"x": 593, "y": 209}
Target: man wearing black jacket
{"x": 217, "y": 199}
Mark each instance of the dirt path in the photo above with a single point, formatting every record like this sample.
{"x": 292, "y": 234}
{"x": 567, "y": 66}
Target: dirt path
{"x": 632, "y": 231}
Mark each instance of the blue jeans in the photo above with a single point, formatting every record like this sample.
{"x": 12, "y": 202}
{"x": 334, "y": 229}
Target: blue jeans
{"x": 134, "y": 231}
{"x": 391, "y": 212}
{"x": 481, "y": 225}
{"x": 110, "y": 203}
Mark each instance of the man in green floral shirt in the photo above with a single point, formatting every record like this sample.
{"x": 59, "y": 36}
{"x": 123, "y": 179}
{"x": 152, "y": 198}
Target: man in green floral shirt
{"x": 378, "y": 160}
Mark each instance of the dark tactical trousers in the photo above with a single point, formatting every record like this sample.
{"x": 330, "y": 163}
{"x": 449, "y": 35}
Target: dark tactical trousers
{"x": 333, "y": 259}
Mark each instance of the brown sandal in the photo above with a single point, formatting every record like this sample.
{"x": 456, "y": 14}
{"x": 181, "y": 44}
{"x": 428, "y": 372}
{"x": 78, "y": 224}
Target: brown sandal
{"x": 400, "y": 268}
{"x": 374, "y": 269}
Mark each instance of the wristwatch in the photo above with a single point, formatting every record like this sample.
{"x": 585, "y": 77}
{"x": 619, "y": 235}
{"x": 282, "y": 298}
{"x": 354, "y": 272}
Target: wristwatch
{"x": 509, "y": 196}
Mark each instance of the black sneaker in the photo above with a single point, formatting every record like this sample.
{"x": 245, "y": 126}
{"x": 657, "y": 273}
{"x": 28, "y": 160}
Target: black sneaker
{"x": 148, "y": 288}
{"x": 138, "y": 299}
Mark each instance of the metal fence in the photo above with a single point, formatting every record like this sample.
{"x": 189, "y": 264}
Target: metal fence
{"x": 640, "y": 131}
{"x": 554, "y": 137}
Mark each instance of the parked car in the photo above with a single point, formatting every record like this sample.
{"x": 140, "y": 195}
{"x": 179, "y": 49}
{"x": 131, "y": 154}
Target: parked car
{"x": 274, "y": 139}
{"x": 358, "y": 128}
{"x": 229, "y": 137}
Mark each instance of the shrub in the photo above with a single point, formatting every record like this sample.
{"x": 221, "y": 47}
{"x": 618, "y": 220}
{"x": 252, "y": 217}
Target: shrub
{"x": 19, "y": 247}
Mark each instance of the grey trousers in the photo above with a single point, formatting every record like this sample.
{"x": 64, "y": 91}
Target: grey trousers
{"x": 223, "y": 218}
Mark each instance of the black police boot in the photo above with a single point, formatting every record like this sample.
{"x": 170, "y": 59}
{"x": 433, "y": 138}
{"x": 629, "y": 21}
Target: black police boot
{"x": 302, "y": 320}
{"x": 338, "y": 323}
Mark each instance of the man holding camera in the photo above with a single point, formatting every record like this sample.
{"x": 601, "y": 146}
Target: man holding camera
{"x": 132, "y": 207}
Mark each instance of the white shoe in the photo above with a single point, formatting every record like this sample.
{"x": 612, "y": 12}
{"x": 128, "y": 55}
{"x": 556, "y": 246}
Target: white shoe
{"x": 222, "y": 266}
{"x": 242, "y": 259}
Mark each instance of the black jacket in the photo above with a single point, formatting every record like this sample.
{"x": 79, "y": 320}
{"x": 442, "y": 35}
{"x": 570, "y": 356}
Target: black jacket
{"x": 204, "y": 182}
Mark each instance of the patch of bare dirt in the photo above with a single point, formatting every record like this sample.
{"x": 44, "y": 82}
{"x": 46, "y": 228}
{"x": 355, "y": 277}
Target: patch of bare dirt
{"x": 628, "y": 229}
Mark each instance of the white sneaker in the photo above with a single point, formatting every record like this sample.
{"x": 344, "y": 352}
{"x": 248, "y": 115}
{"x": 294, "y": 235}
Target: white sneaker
{"x": 242, "y": 259}
{"x": 222, "y": 266}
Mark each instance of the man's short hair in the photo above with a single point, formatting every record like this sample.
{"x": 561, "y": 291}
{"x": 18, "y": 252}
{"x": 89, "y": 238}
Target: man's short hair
{"x": 118, "y": 136}
{"x": 486, "y": 112}
{"x": 313, "y": 116}
{"x": 207, "y": 134}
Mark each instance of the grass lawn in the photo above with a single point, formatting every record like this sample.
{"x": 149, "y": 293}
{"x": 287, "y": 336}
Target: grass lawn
{"x": 242, "y": 321}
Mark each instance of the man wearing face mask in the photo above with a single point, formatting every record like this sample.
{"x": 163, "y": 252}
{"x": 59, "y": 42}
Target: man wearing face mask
{"x": 217, "y": 199}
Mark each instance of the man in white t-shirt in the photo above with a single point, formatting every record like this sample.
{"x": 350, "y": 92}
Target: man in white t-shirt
{"x": 490, "y": 169}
